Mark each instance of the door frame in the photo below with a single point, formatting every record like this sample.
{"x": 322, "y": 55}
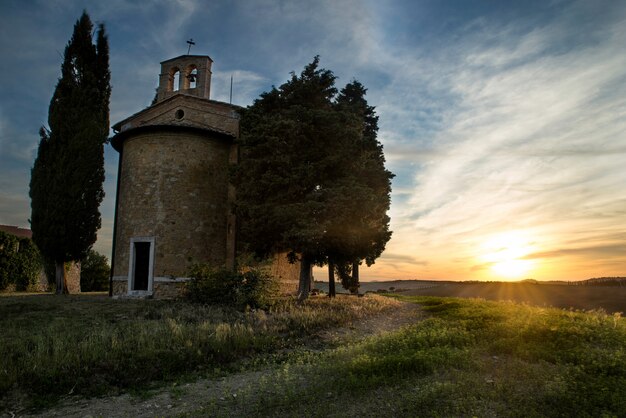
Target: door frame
{"x": 131, "y": 267}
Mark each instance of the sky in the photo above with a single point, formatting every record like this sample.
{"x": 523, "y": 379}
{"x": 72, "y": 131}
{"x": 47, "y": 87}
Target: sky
{"x": 504, "y": 122}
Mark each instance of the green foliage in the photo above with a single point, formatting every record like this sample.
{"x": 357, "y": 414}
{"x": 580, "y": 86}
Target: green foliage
{"x": 28, "y": 266}
{"x": 8, "y": 249}
{"x": 347, "y": 279}
{"x": 94, "y": 273}
{"x": 250, "y": 288}
{"x": 360, "y": 229}
{"x": 66, "y": 180}
{"x": 20, "y": 262}
{"x": 311, "y": 177}
{"x": 285, "y": 163}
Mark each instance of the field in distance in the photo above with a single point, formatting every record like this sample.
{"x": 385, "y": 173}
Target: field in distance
{"x": 610, "y": 298}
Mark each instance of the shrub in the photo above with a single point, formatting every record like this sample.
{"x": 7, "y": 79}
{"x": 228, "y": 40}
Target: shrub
{"x": 8, "y": 248}
{"x": 251, "y": 288}
{"x": 28, "y": 265}
{"x": 20, "y": 262}
{"x": 95, "y": 271}
{"x": 257, "y": 289}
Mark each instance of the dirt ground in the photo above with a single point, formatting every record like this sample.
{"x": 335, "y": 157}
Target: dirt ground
{"x": 188, "y": 397}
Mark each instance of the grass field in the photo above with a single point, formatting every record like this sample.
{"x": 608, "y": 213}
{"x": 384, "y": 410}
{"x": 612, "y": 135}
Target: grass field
{"x": 470, "y": 358}
{"x": 462, "y": 357}
{"x": 92, "y": 345}
{"x": 610, "y": 298}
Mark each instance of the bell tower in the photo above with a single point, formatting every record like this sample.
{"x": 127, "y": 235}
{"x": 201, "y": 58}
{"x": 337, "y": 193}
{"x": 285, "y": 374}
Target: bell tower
{"x": 186, "y": 74}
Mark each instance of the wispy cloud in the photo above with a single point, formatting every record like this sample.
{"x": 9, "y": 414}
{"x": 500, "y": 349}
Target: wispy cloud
{"x": 528, "y": 133}
{"x": 594, "y": 252}
{"x": 246, "y": 85}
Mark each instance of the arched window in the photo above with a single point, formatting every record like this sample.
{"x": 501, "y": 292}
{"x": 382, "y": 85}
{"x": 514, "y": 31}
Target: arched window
{"x": 193, "y": 78}
{"x": 174, "y": 79}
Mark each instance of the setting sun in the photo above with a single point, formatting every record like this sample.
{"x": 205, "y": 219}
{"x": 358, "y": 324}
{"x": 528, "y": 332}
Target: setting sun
{"x": 504, "y": 254}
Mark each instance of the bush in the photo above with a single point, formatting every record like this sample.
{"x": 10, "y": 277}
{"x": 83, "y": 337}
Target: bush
{"x": 95, "y": 271}
{"x": 28, "y": 265}
{"x": 251, "y": 288}
{"x": 20, "y": 262}
{"x": 8, "y": 248}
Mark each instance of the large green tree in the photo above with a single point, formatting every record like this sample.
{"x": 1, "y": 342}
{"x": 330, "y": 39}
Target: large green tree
{"x": 285, "y": 166}
{"x": 363, "y": 232}
{"x": 66, "y": 180}
{"x": 297, "y": 181}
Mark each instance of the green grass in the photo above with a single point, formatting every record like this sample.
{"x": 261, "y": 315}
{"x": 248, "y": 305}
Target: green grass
{"x": 91, "y": 345}
{"x": 464, "y": 357}
{"x": 469, "y": 358}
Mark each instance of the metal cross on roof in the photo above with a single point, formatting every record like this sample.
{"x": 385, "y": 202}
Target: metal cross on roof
{"x": 190, "y": 42}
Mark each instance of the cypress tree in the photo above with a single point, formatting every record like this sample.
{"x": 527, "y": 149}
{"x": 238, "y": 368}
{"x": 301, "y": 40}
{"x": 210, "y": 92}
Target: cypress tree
{"x": 363, "y": 231}
{"x": 285, "y": 166}
{"x": 310, "y": 165}
{"x": 66, "y": 180}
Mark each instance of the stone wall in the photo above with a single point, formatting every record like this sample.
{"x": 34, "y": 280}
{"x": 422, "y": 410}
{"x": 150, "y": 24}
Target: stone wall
{"x": 163, "y": 288}
{"x": 72, "y": 277}
{"x": 120, "y": 287}
{"x": 169, "y": 290}
{"x": 173, "y": 187}
{"x": 285, "y": 273}
{"x": 188, "y": 111}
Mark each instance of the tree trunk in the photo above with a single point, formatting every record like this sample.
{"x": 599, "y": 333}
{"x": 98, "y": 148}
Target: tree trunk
{"x": 60, "y": 278}
{"x": 331, "y": 279}
{"x": 304, "y": 286}
{"x": 355, "y": 276}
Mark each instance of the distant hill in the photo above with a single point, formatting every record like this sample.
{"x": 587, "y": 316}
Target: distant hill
{"x": 597, "y": 281}
{"x": 605, "y": 281}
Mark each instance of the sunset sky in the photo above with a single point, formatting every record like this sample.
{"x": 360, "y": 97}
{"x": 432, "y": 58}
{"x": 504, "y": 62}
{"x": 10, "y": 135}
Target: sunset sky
{"x": 504, "y": 122}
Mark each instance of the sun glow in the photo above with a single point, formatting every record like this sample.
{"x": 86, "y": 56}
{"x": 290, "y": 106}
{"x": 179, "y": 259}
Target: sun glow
{"x": 504, "y": 254}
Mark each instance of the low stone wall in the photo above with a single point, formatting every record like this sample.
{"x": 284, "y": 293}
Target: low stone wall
{"x": 169, "y": 290}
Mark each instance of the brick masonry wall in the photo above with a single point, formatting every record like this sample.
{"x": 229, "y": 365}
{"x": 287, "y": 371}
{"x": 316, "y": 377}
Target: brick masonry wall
{"x": 174, "y": 187}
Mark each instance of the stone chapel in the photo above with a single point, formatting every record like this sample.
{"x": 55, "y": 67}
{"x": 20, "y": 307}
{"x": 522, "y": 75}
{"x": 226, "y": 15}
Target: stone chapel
{"x": 174, "y": 200}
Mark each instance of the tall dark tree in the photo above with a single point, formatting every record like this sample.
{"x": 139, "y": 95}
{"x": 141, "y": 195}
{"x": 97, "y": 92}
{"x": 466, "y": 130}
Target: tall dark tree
{"x": 67, "y": 177}
{"x": 286, "y": 165}
{"x": 305, "y": 153}
{"x": 360, "y": 231}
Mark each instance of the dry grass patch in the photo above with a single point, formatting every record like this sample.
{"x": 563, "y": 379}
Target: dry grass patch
{"x": 92, "y": 345}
